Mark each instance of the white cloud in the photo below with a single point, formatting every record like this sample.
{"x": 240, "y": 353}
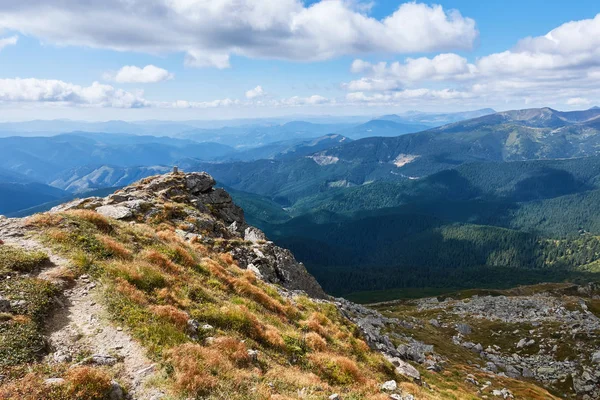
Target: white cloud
{"x": 255, "y": 93}
{"x": 60, "y": 93}
{"x": 563, "y": 65}
{"x": 8, "y": 41}
{"x": 301, "y": 101}
{"x": 578, "y": 101}
{"x": 209, "y": 32}
{"x": 55, "y": 91}
{"x": 133, "y": 74}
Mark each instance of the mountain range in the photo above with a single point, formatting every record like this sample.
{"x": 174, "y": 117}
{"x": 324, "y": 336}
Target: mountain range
{"x": 482, "y": 193}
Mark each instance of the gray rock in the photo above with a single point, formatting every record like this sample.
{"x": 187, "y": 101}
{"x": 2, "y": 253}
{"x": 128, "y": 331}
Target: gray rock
{"x": 404, "y": 368}
{"x": 5, "y": 305}
{"x": 395, "y": 396}
{"x": 192, "y": 326}
{"x": 54, "y": 382}
{"x": 389, "y": 386}
{"x": 335, "y": 396}
{"x": 596, "y": 357}
{"x": 527, "y": 373}
{"x": 61, "y": 357}
{"x": 199, "y": 182}
{"x": 116, "y": 391}
{"x": 254, "y": 235}
{"x": 253, "y": 354}
{"x": 115, "y": 212}
{"x": 434, "y": 322}
{"x": 490, "y": 366}
{"x": 101, "y": 359}
{"x": 463, "y": 329}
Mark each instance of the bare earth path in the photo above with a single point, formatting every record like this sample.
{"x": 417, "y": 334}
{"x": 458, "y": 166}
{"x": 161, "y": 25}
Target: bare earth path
{"x": 80, "y": 325}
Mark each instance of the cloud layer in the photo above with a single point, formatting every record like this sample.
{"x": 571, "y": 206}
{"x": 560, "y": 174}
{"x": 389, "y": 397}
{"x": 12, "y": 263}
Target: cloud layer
{"x": 8, "y": 41}
{"x": 563, "y": 64}
{"x": 133, "y": 74}
{"x": 209, "y": 32}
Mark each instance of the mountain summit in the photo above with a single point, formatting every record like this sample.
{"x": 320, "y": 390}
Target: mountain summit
{"x": 203, "y": 214}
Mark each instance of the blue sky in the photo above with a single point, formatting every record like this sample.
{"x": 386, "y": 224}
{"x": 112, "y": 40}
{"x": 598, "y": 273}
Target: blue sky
{"x": 295, "y": 58}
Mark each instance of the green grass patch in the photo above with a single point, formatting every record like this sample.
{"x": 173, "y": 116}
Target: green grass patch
{"x": 13, "y": 259}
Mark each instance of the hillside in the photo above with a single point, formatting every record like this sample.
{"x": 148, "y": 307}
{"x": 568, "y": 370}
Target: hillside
{"x": 162, "y": 291}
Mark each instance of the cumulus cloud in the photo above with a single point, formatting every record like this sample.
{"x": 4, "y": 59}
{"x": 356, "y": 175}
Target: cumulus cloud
{"x": 8, "y": 41}
{"x": 56, "y": 91}
{"x": 565, "y": 63}
{"x": 209, "y": 32}
{"x": 133, "y": 74}
{"x": 256, "y": 92}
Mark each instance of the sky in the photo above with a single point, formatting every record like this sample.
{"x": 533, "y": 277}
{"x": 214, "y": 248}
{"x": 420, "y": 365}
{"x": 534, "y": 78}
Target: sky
{"x": 225, "y": 59}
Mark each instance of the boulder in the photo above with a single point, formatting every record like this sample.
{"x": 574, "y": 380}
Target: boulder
{"x": 199, "y": 182}
{"x": 404, "y": 368}
{"x": 54, "y": 382}
{"x": 116, "y": 212}
{"x": 596, "y": 357}
{"x": 463, "y": 329}
{"x": 335, "y": 396}
{"x": 5, "y": 305}
{"x": 389, "y": 386}
{"x": 116, "y": 391}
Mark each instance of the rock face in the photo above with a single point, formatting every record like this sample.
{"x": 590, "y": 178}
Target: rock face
{"x": 205, "y": 214}
{"x": 371, "y": 323}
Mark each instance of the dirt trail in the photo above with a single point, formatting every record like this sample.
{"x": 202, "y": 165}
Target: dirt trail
{"x": 80, "y": 325}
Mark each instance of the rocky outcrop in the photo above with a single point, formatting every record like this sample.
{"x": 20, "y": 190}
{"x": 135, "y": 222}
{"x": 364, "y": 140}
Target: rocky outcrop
{"x": 206, "y": 214}
{"x": 549, "y": 319}
{"x": 371, "y": 323}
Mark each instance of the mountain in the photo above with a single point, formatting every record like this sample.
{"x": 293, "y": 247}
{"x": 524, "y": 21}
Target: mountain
{"x": 82, "y": 179}
{"x": 44, "y": 158}
{"x": 242, "y": 137}
{"x": 435, "y": 119}
{"x": 17, "y": 196}
{"x": 168, "y": 291}
{"x": 288, "y": 148}
{"x": 382, "y": 127}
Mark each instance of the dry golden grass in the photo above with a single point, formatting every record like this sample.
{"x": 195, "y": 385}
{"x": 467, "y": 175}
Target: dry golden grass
{"x": 159, "y": 259}
{"x": 44, "y": 220}
{"x": 115, "y": 248}
{"x": 88, "y": 383}
{"x": 196, "y": 368}
{"x": 81, "y": 383}
{"x": 336, "y": 369}
{"x": 130, "y": 291}
{"x": 315, "y": 342}
{"x": 99, "y": 221}
{"x": 60, "y": 273}
{"x": 236, "y": 351}
{"x": 172, "y": 314}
